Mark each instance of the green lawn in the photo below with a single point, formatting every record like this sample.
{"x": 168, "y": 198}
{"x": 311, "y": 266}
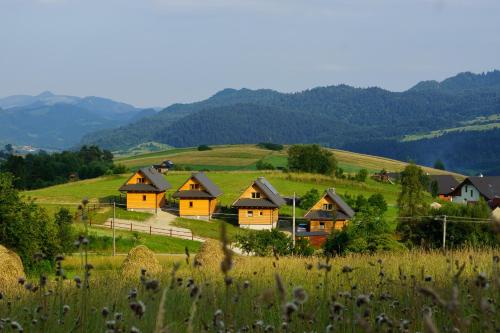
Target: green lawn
{"x": 101, "y": 241}
{"x": 208, "y": 229}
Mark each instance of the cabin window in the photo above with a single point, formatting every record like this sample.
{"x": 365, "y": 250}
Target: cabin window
{"x": 255, "y": 195}
{"x": 190, "y": 204}
{"x": 261, "y": 213}
{"x": 250, "y": 213}
{"x": 195, "y": 186}
{"x": 140, "y": 180}
{"x": 144, "y": 198}
{"x": 471, "y": 194}
{"x": 327, "y": 206}
{"x": 322, "y": 225}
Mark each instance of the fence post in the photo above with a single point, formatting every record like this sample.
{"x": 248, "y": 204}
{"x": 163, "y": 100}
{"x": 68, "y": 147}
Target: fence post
{"x": 150, "y": 230}
{"x": 113, "y": 225}
{"x": 444, "y": 233}
{"x": 170, "y": 232}
{"x": 130, "y": 226}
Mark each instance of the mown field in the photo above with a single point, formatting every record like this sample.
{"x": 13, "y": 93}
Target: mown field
{"x": 398, "y": 292}
{"x": 245, "y": 157}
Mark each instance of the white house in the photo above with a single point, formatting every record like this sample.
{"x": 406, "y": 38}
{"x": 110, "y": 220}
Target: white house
{"x": 472, "y": 189}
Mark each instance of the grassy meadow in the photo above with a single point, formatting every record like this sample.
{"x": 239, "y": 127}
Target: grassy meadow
{"x": 388, "y": 292}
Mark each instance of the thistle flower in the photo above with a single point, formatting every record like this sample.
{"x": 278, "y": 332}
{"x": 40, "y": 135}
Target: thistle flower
{"x": 300, "y": 295}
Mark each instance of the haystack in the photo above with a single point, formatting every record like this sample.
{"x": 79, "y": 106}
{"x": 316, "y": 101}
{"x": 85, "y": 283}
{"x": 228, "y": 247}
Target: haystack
{"x": 12, "y": 267}
{"x": 495, "y": 215}
{"x": 211, "y": 254}
{"x": 140, "y": 257}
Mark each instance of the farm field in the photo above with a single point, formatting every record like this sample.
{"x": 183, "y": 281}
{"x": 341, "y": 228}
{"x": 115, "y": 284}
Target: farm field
{"x": 245, "y": 157}
{"x": 409, "y": 292}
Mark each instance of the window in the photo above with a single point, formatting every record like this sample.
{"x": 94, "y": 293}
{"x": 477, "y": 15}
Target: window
{"x": 250, "y": 213}
{"x": 322, "y": 225}
{"x": 195, "y": 186}
{"x": 261, "y": 213}
{"x": 255, "y": 195}
{"x": 327, "y": 206}
{"x": 144, "y": 198}
{"x": 140, "y": 180}
{"x": 190, "y": 204}
{"x": 471, "y": 193}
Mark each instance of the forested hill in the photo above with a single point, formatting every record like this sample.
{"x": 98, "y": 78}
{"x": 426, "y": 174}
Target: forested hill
{"x": 338, "y": 116}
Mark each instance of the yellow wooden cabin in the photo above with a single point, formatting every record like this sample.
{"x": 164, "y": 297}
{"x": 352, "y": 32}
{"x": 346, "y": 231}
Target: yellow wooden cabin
{"x": 197, "y": 197}
{"x": 145, "y": 190}
{"x": 258, "y": 206}
{"x": 328, "y": 214}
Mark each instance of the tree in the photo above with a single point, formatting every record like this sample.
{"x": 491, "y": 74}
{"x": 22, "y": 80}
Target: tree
{"x": 439, "y": 165}
{"x": 311, "y": 158}
{"x": 261, "y": 165}
{"x": 411, "y": 200}
{"x": 25, "y": 227}
{"x": 377, "y": 200}
{"x": 9, "y": 148}
{"x": 309, "y": 199}
{"x": 434, "y": 187}
{"x": 361, "y": 175}
{"x": 65, "y": 233}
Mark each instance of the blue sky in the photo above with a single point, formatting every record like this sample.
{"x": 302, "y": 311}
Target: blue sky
{"x": 158, "y": 52}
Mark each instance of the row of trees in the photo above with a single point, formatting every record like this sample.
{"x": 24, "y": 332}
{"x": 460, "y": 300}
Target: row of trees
{"x": 42, "y": 169}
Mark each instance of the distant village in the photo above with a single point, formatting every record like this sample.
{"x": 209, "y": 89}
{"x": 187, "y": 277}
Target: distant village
{"x": 259, "y": 204}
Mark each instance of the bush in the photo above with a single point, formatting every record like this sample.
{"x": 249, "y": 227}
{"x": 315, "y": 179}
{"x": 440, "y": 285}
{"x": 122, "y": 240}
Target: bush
{"x": 261, "y": 165}
{"x": 309, "y": 199}
{"x": 311, "y": 158}
{"x": 269, "y": 242}
{"x": 361, "y": 175}
{"x": 204, "y": 147}
{"x": 119, "y": 169}
{"x": 270, "y": 146}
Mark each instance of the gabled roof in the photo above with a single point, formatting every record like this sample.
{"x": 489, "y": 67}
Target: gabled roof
{"x": 343, "y": 211}
{"x": 158, "y": 182}
{"x": 270, "y": 192}
{"x": 446, "y": 183}
{"x": 488, "y": 186}
{"x": 272, "y": 200}
{"x": 211, "y": 189}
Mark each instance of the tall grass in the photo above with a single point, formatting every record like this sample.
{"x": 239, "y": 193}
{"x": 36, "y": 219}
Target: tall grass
{"x": 405, "y": 292}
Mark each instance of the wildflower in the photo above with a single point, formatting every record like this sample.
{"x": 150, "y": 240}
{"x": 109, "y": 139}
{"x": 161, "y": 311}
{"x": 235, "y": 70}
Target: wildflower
{"x": 290, "y": 308}
{"x": 16, "y": 326}
{"x": 152, "y": 285}
{"x": 21, "y": 281}
{"x": 246, "y": 284}
{"x": 346, "y": 269}
{"x": 428, "y": 278}
{"x": 481, "y": 280}
{"x": 134, "y": 329}
{"x": 132, "y": 294}
{"x": 66, "y": 308}
{"x": 362, "y": 300}
{"x": 105, "y": 312}
{"x": 139, "y": 308}
{"x": 300, "y": 295}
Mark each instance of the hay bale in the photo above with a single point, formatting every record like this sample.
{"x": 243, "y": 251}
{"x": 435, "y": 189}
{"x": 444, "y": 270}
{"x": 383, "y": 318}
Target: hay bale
{"x": 140, "y": 257}
{"x": 12, "y": 267}
{"x": 495, "y": 215}
{"x": 210, "y": 253}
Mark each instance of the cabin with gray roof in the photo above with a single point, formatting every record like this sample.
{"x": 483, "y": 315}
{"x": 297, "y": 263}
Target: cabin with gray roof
{"x": 258, "y": 206}
{"x": 197, "y": 197}
{"x": 443, "y": 186}
{"x": 145, "y": 190}
{"x": 330, "y": 213}
{"x": 472, "y": 189}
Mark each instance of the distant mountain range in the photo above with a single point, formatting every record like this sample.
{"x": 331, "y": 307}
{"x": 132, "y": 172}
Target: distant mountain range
{"x": 456, "y": 120}
{"x": 56, "y": 121}
{"x": 337, "y": 116}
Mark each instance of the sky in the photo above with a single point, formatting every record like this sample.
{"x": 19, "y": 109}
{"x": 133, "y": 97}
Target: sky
{"x": 152, "y": 53}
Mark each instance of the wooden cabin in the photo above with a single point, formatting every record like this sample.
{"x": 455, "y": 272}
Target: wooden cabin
{"x": 145, "y": 190}
{"x": 444, "y": 186}
{"x": 328, "y": 214}
{"x": 258, "y": 206}
{"x": 197, "y": 197}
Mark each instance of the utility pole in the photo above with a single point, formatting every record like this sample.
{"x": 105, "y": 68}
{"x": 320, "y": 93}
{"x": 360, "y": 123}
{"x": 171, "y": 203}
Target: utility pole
{"x": 444, "y": 233}
{"x": 293, "y": 221}
{"x": 113, "y": 225}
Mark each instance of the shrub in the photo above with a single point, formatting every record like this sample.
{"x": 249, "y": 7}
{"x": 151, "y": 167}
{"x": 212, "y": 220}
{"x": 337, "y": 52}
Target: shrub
{"x": 269, "y": 242}
{"x": 311, "y": 158}
{"x": 270, "y": 146}
{"x": 261, "y": 165}
{"x": 361, "y": 175}
{"x": 309, "y": 199}
{"x": 204, "y": 147}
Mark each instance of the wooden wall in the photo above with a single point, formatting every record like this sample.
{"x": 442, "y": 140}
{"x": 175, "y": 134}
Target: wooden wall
{"x": 260, "y": 216}
{"x": 153, "y": 200}
{"x": 329, "y": 225}
{"x": 201, "y": 207}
